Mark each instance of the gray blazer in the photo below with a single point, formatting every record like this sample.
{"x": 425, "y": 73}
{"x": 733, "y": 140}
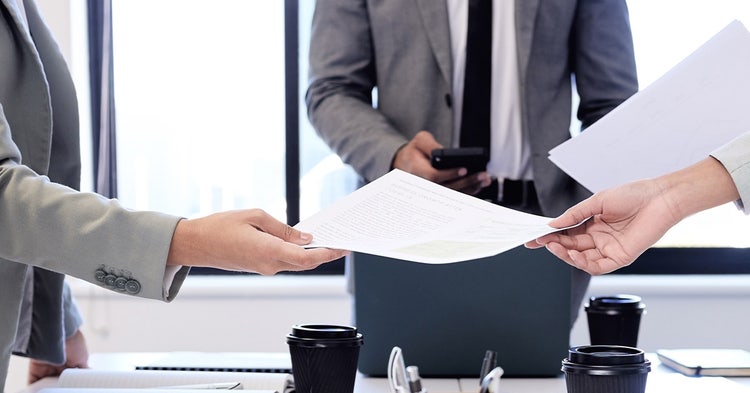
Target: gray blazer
{"x": 735, "y": 156}
{"x": 48, "y": 226}
{"x": 403, "y": 48}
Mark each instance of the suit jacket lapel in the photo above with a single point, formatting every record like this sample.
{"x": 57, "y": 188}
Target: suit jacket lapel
{"x": 435, "y": 22}
{"x": 15, "y": 12}
{"x": 31, "y": 122}
{"x": 525, "y": 18}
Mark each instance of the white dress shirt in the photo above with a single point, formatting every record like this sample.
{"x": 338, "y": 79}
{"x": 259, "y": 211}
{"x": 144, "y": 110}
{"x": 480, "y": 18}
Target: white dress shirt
{"x": 509, "y": 152}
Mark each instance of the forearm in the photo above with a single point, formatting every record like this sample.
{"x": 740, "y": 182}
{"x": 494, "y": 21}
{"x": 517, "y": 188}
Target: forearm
{"x": 698, "y": 187}
{"x": 80, "y": 234}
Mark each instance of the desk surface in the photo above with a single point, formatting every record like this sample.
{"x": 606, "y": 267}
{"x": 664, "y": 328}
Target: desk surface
{"x": 660, "y": 380}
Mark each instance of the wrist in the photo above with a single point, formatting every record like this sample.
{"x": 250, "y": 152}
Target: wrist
{"x": 701, "y": 186}
{"x": 180, "y": 249}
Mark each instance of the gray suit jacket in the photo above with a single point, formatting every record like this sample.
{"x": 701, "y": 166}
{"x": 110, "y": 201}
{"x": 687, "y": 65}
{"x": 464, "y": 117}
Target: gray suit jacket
{"x": 50, "y": 226}
{"x": 735, "y": 156}
{"x": 402, "y": 48}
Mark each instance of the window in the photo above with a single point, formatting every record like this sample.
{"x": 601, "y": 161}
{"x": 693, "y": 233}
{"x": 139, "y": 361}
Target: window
{"x": 200, "y": 105}
{"x": 201, "y": 110}
{"x": 665, "y": 32}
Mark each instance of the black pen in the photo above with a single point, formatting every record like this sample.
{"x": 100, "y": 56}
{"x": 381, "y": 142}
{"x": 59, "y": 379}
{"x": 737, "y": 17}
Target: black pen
{"x": 489, "y": 362}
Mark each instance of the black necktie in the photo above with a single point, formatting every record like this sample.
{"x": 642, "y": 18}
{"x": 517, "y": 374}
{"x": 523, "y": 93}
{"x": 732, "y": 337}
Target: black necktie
{"x": 475, "y": 115}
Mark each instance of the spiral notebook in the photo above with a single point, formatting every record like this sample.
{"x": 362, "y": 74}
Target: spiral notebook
{"x": 259, "y": 362}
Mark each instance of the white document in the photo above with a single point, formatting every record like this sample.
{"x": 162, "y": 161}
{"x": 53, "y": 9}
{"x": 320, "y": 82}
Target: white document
{"x": 699, "y": 105}
{"x": 407, "y": 217}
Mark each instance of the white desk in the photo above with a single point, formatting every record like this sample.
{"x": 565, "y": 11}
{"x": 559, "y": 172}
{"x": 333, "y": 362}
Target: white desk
{"x": 660, "y": 380}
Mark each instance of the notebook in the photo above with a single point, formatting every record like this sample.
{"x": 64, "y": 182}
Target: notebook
{"x": 445, "y": 317}
{"x": 261, "y": 362}
{"x": 707, "y": 361}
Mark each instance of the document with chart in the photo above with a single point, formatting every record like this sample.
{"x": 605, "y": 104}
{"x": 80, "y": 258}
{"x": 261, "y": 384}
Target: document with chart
{"x": 407, "y": 217}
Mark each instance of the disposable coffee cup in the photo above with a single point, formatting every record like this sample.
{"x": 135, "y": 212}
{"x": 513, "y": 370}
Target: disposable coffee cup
{"x": 606, "y": 368}
{"x": 614, "y": 320}
{"x": 324, "y": 357}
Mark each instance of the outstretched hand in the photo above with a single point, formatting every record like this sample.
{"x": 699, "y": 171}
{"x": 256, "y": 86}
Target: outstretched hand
{"x": 625, "y": 221}
{"x": 245, "y": 240}
{"x": 622, "y": 223}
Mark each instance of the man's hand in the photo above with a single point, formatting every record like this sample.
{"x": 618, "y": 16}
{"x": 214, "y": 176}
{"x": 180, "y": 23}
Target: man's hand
{"x": 414, "y": 157}
{"x": 76, "y": 356}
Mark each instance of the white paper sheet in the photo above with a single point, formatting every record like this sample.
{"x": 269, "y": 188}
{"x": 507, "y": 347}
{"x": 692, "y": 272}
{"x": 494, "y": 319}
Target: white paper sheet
{"x": 406, "y": 217}
{"x": 699, "y": 105}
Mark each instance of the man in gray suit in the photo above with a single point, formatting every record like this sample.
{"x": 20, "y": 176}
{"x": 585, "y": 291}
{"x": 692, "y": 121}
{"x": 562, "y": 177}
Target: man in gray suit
{"x": 413, "y": 52}
{"x": 49, "y": 229}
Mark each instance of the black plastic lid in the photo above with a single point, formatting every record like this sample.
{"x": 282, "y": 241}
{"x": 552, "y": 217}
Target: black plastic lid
{"x": 615, "y": 302}
{"x": 324, "y": 331}
{"x": 324, "y": 335}
{"x": 606, "y": 360}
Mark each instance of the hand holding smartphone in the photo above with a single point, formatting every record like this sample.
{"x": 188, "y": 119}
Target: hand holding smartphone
{"x": 474, "y": 159}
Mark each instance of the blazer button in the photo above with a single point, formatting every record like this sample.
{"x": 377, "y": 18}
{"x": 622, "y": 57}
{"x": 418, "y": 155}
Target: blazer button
{"x": 132, "y": 287}
{"x": 109, "y": 280}
{"x": 120, "y": 283}
{"x": 449, "y": 100}
{"x": 99, "y": 275}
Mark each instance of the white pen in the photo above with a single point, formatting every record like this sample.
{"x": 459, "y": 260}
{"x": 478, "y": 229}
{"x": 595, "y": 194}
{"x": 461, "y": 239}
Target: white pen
{"x": 209, "y": 386}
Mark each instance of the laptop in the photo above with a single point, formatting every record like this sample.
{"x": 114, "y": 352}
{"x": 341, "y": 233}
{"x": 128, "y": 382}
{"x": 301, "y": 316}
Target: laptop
{"x": 445, "y": 317}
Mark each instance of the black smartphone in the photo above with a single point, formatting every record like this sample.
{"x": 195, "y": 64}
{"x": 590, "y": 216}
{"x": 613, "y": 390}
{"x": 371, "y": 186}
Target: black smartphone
{"x": 474, "y": 159}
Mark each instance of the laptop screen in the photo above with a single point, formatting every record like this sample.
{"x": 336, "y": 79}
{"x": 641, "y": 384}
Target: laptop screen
{"x": 445, "y": 317}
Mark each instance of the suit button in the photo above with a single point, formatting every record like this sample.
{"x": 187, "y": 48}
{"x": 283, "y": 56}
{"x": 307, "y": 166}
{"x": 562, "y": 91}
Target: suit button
{"x": 120, "y": 283}
{"x": 448, "y": 100}
{"x": 109, "y": 280}
{"x": 132, "y": 287}
{"x": 99, "y": 275}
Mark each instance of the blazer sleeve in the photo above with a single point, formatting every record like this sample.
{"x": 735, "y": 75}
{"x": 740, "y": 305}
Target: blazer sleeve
{"x": 80, "y": 234}
{"x": 735, "y": 156}
{"x": 341, "y": 81}
{"x": 603, "y": 58}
